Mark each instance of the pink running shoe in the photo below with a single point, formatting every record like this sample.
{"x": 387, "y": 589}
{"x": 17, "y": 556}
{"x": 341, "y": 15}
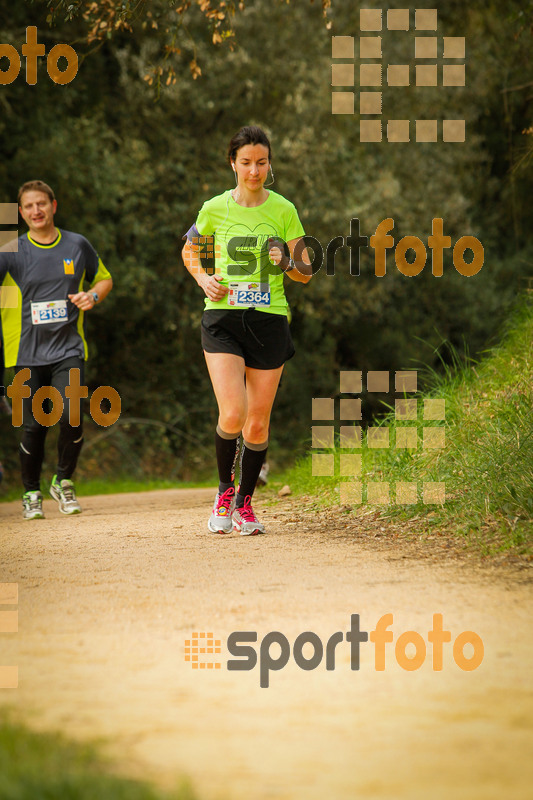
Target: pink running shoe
{"x": 245, "y": 521}
{"x": 220, "y": 520}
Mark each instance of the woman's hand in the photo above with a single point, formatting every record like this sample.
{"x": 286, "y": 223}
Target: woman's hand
{"x": 277, "y": 253}
{"x": 212, "y": 287}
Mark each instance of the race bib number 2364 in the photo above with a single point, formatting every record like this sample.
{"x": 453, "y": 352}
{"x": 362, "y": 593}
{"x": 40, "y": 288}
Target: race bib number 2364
{"x": 248, "y": 295}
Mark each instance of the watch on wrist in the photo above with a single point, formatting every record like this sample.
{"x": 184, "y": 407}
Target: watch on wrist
{"x": 95, "y": 296}
{"x": 291, "y": 265}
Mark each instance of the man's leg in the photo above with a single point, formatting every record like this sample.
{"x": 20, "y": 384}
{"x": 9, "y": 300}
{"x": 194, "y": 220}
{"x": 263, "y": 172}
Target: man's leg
{"x": 70, "y": 439}
{"x": 5, "y": 408}
{"x": 31, "y": 447}
{"x": 33, "y": 433}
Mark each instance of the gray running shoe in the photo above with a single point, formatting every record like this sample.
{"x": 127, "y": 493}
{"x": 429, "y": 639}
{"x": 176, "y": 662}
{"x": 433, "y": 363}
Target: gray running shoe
{"x": 32, "y": 505}
{"x": 220, "y": 520}
{"x": 245, "y": 521}
{"x": 65, "y": 494}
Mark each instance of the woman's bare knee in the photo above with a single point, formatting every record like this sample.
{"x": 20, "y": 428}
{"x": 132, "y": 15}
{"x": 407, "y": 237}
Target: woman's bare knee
{"x": 231, "y": 421}
{"x": 256, "y": 431}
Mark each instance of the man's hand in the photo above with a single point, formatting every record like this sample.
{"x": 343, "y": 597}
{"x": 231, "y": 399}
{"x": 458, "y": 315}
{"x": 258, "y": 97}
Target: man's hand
{"x": 83, "y": 300}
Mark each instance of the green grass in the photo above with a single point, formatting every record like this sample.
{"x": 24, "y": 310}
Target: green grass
{"x": 487, "y": 461}
{"x": 37, "y": 766}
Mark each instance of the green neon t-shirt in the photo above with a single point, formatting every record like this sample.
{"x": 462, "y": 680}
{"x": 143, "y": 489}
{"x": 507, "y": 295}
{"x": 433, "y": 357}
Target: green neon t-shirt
{"x": 241, "y": 237}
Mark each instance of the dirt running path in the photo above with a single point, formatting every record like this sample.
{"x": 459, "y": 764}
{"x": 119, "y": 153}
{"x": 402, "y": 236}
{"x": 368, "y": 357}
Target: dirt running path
{"x": 107, "y": 600}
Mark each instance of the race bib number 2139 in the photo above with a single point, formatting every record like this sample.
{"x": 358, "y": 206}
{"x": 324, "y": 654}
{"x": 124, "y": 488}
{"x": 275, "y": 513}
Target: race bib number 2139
{"x": 51, "y": 311}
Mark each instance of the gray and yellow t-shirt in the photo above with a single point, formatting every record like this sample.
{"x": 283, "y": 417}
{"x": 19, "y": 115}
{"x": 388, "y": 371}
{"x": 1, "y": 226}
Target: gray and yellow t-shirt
{"x": 40, "y": 324}
{"x": 241, "y": 248}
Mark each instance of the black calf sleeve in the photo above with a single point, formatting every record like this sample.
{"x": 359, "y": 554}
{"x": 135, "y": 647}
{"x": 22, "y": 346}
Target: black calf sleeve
{"x": 68, "y": 449}
{"x": 31, "y": 457}
{"x": 227, "y": 450}
{"x": 252, "y": 458}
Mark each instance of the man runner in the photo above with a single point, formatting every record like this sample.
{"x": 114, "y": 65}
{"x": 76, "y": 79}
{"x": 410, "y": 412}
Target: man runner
{"x": 43, "y": 327}
{"x": 5, "y": 408}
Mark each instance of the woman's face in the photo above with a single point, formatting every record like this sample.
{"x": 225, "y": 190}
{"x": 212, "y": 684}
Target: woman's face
{"x": 251, "y": 165}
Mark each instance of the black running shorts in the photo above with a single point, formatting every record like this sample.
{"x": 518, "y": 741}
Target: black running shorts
{"x": 263, "y": 340}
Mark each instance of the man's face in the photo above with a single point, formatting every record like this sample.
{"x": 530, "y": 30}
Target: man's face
{"x": 37, "y": 211}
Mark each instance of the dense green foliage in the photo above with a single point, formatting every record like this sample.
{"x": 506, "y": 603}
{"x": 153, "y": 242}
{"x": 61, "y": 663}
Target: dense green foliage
{"x": 132, "y": 159}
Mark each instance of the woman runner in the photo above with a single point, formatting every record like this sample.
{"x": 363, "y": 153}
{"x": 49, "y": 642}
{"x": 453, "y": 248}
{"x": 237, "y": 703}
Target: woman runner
{"x": 245, "y": 331}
